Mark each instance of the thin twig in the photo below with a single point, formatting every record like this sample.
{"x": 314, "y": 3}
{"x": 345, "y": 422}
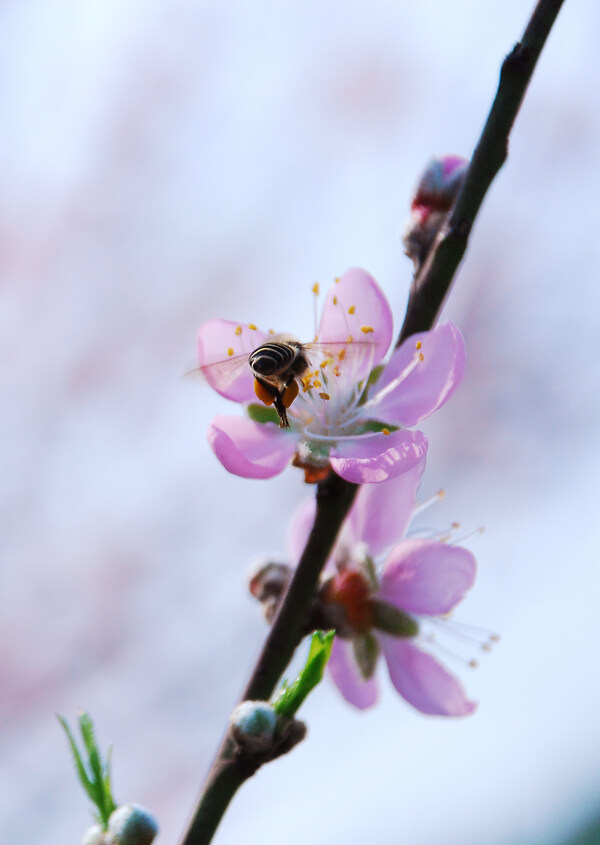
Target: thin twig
{"x": 335, "y": 496}
{"x": 433, "y": 281}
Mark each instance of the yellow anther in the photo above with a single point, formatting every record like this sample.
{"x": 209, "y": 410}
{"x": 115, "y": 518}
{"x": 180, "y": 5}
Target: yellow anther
{"x": 324, "y": 395}
{"x": 349, "y": 339}
{"x": 252, "y": 326}
{"x": 352, "y": 309}
{"x": 385, "y": 431}
{"x": 317, "y": 383}
{"x": 421, "y": 356}
{"x": 230, "y": 351}
{"x": 271, "y": 331}
{"x": 335, "y": 300}
{"x": 418, "y": 344}
{"x": 238, "y": 331}
{"x": 315, "y": 288}
{"x": 337, "y": 371}
{"x": 367, "y": 329}
{"x": 342, "y": 353}
{"x": 337, "y": 280}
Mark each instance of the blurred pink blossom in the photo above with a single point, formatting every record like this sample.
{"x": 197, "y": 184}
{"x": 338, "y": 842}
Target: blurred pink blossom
{"x": 389, "y": 609}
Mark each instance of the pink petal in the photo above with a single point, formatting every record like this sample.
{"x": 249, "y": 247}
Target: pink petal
{"x": 382, "y": 512}
{"x": 300, "y": 528}
{"x": 370, "y": 458}
{"x": 424, "y": 682}
{"x": 354, "y": 303}
{"x": 250, "y": 449}
{"x": 223, "y": 350}
{"x": 347, "y": 677}
{"x": 428, "y": 384}
{"x": 427, "y": 578}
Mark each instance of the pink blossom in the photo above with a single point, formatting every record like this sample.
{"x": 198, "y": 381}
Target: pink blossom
{"x": 390, "y": 609}
{"x": 361, "y": 430}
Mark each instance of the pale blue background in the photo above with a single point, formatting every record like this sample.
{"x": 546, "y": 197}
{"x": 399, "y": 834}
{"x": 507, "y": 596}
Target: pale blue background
{"x": 166, "y": 162}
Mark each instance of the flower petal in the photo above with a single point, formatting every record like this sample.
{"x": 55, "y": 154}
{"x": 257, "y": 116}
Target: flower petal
{"x": 424, "y": 682}
{"x": 356, "y": 307}
{"x": 250, "y": 449}
{"x": 376, "y": 457}
{"x": 347, "y": 677}
{"x": 300, "y": 528}
{"x": 382, "y": 512}
{"x": 407, "y": 392}
{"x": 223, "y": 350}
{"x": 427, "y": 578}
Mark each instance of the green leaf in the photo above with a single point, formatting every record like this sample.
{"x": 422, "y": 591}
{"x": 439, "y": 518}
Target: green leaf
{"x": 94, "y": 775}
{"x": 262, "y": 413}
{"x": 81, "y": 772}
{"x": 290, "y": 697}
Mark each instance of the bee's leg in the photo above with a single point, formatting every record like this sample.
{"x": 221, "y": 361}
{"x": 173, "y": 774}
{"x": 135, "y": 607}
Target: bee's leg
{"x": 271, "y": 395}
{"x": 281, "y": 410}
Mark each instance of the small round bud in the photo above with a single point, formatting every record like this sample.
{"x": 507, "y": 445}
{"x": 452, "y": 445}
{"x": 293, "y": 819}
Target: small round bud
{"x": 94, "y": 835}
{"x": 253, "y": 725}
{"x": 433, "y": 198}
{"x": 131, "y": 824}
{"x": 267, "y": 583}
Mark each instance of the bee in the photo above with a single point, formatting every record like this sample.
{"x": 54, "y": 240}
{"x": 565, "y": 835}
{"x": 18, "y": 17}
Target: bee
{"x": 281, "y": 366}
{"x": 276, "y": 366}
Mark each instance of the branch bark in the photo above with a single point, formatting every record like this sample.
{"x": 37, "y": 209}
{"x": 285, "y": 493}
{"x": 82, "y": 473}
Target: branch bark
{"x": 335, "y": 496}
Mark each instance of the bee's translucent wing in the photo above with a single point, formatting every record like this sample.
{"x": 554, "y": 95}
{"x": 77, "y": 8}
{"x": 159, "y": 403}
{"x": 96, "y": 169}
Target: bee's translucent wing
{"x": 356, "y": 358}
{"x": 223, "y": 350}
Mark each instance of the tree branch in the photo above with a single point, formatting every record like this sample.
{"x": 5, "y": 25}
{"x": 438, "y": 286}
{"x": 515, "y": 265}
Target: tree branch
{"x": 433, "y": 281}
{"x": 335, "y": 496}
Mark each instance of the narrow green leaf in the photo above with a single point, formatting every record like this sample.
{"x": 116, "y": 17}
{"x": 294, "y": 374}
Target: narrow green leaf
{"x": 290, "y": 697}
{"x": 79, "y": 765}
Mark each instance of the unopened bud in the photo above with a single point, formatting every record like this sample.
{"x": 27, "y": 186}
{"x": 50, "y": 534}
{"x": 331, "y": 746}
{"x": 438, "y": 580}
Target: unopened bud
{"x": 253, "y": 725}
{"x": 131, "y": 824}
{"x": 94, "y": 835}
{"x": 267, "y": 583}
{"x": 433, "y": 198}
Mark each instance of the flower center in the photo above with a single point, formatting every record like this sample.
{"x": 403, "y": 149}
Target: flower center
{"x": 351, "y": 590}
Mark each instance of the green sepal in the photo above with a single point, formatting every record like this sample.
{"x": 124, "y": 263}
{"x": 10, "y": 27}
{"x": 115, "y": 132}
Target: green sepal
{"x": 367, "y": 564}
{"x": 262, "y": 413}
{"x": 95, "y": 778}
{"x": 376, "y": 425}
{"x": 289, "y": 698}
{"x": 394, "y": 621}
{"x": 372, "y": 378}
{"x": 366, "y": 651}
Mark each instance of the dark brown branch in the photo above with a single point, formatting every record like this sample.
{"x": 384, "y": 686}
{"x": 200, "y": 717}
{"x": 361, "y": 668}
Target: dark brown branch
{"x": 433, "y": 281}
{"x": 335, "y": 496}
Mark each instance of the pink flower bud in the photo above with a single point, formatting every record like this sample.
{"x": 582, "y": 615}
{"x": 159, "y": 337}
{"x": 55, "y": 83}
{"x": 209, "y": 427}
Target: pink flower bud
{"x": 434, "y": 196}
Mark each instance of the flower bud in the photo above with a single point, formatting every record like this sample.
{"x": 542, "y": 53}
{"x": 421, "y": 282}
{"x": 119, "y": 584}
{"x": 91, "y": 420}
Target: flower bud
{"x": 253, "y": 725}
{"x": 268, "y": 583}
{"x": 94, "y": 835}
{"x": 434, "y": 196}
{"x": 131, "y": 824}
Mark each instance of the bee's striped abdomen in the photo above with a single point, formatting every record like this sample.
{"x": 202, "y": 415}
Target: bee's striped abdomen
{"x": 272, "y": 359}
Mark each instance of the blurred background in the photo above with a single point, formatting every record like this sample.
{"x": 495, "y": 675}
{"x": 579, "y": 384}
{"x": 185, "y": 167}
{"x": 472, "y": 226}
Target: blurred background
{"x": 163, "y": 163}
